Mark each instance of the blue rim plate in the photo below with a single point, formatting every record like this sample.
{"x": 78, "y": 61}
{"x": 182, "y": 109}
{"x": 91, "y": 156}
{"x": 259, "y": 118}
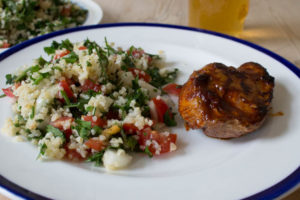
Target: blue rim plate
{"x": 272, "y": 192}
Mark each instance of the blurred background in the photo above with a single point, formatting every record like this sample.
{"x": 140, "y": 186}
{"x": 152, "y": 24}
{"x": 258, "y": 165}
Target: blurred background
{"x": 273, "y": 24}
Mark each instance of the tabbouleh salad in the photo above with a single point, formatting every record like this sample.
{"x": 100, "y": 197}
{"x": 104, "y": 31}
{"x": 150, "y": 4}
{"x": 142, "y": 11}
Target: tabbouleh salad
{"x": 21, "y": 20}
{"x": 94, "y": 103}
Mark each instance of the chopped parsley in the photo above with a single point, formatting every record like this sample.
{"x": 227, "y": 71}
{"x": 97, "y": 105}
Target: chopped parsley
{"x": 32, "y": 112}
{"x": 129, "y": 142}
{"x": 159, "y": 80}
{"x": 65, "y": 44}
{"x": 138, "y": 95}
{"x": 83, "y": 128}
{"x": 109, "y": 49}
{"x": 96, "y": 158}
{"x": 43, "y": 148}
{"x": 102, "y": 56}
{"x": 65, "y": 96}
{"x": 71, "y": 57}
{"x": 72, "y": 105}
{"x": 57, "y": 68}
{"x": 30, "y": 70}
{"x": 148, "y": 152}
{"x": 22, "y": 20}
{"x": 10, "y": 78}
{"x": 169, "y": 119}
{"x": 41, "y": 61}
{"x": 56, "y": 132}
{"x": 97, "y": 130}
{"x": 88, "y": 64}
{"x": 41, "y": 77}
{"x": 50, "y": 50}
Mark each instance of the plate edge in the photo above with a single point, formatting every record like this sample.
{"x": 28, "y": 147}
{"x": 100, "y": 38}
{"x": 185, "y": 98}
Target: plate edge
{"x": 273, "y": 191}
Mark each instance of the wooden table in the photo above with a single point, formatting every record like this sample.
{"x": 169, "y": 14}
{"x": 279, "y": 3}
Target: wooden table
{"x": 273, "y": 24}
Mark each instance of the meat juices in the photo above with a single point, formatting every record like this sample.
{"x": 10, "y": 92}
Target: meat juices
{"x": 226, "y": 102}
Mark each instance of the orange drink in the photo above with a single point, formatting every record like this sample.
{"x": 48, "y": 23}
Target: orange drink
{"x": 226, "y": 16}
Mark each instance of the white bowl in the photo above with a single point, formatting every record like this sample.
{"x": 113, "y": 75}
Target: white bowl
{"x": 95, "y": 13}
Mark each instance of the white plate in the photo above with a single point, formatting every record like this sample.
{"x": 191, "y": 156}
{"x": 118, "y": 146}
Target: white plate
{"x": 95, "y": 13}
{"x": 257, "y": 164}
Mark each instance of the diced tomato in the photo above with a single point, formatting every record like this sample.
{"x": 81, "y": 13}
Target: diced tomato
{"x": 161, "y": 108}
{"x": 166, "y": 142}
{"x": 64, "y": 124}
{"x": 8, "y": 92}
{"x": 152, "y": 139}
{"x": 136, "y": 53}
{"x": 132, "y": 129}
{"x": 82, "y": 48}
{"x": 172, "y": 88}
{"x": 95, "y": 143}
{"x": 65, "y": 85}
{"x": 142, "y": 75}
{"x": 90, "y": 85}
{"x": 68, "y": 133}
{"x": 73, "y": 155}
{"x": 66, "y": 11}
{"x": 5, "y": 45}
{"x": 95, "y": 121}
{"x": 62, "y": 54}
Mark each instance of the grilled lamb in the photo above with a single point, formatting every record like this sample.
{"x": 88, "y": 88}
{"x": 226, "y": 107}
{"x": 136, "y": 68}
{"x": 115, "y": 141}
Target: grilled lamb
{"x": 226, "y": 102}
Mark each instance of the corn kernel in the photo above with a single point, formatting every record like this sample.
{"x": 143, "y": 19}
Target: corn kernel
{"x": 111, "y": 131}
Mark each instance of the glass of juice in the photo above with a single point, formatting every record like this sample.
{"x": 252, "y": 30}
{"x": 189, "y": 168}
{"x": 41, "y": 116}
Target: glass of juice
{"x": 225, "y": 16}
